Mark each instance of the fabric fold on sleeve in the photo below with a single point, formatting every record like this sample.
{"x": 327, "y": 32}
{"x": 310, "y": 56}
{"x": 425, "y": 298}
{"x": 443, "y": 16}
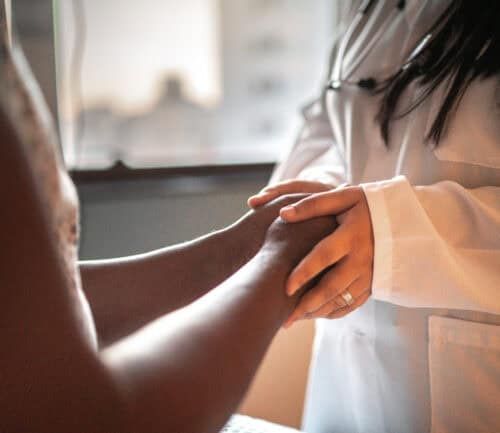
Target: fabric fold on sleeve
{"x": 436, "y": 246}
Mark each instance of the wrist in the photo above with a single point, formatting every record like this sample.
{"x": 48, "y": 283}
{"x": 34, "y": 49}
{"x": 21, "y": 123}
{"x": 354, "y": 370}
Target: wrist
{"x": 245, "y": 237}
{"x": 273, "y": 271}
{"x": 236, "y": 244}
{"x": 274, "y": 258}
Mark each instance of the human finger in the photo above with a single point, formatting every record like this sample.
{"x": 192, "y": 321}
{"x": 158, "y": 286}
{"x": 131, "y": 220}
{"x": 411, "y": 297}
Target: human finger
{"x": 327, "y": 309}
{"x": 324, "y": 298}
{"x": 261, "y": 198}
{"x": 321, "y": 204}
{"x": 336, "y": 309}
{"x": 326, "y": 253}
{"x": 335, "y": 281}
{"x": 288, "y": 187}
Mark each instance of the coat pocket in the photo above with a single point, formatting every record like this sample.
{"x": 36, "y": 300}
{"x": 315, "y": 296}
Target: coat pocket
{"x": 464, "y": 363}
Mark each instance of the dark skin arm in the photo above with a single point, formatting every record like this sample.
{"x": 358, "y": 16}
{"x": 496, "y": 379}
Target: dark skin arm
{"x": 185, "y": 372}
{"x": 202, "y": 358}
{"x": 51, "y": 379}
{"x": 127, "y": 293}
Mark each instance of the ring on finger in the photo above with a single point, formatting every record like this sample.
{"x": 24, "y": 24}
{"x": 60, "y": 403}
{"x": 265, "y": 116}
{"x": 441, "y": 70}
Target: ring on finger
{"x": 347, "y": 297}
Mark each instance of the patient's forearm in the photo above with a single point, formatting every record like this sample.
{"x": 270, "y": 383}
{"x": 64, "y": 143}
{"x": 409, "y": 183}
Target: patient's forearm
{"x": 129, "y": 292}
{"x": 188, "y": 371}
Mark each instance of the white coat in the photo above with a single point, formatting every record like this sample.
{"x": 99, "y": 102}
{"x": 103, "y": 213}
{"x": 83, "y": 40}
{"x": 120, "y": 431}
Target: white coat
{"x": 423, "y": 354}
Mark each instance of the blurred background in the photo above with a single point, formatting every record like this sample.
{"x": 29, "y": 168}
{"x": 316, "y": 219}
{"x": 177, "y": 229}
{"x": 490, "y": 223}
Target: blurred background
{"x": 170, "y": 114}
{"x": 198, "y": 82}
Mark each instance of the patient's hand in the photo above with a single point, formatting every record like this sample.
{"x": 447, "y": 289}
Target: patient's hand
{"x": 250, "y": 230}
{"x": 284, "y": 246}
{"x": 292, "y": 242}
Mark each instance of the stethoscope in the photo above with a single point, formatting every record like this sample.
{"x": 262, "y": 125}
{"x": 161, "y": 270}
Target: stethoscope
{"x": 339, "y": 77}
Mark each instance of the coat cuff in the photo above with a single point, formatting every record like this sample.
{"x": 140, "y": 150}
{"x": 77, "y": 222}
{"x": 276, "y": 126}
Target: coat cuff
{"x": 375, "y": 193}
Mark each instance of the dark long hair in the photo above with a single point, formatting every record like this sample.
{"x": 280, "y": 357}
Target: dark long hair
{"x": 464, "y": 44}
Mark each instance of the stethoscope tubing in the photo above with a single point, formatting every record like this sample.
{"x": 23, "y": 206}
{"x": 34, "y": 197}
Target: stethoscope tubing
{"x": 369, "y": 47}
{"x": 337, "y": 77}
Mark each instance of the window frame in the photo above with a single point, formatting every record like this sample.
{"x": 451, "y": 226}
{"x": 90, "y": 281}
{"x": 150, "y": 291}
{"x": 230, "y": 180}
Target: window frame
{"x": 217, "y": 173}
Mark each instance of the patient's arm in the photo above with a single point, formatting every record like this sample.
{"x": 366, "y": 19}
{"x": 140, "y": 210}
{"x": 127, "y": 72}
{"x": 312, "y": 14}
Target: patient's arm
{"x": 184, "y": 373}
{"x": 126, "y": 293}
{"x": 189, "y": 370}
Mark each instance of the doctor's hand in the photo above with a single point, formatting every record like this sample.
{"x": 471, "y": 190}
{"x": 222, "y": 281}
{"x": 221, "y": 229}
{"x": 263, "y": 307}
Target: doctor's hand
{"x": 271, "y": 192}
{"x": 344, "y": 258}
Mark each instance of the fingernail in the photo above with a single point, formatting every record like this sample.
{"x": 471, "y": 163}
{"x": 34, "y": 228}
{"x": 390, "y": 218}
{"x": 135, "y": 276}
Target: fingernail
{"x": 257, "y": 198}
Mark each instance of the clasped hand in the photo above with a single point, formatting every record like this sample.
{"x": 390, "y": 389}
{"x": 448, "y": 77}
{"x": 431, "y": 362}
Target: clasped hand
{"x": 341, "y": 263}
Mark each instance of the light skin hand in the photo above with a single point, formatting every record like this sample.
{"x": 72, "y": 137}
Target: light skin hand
{"x": 338, "y": 268}
{"x": 271, "y": 192}
{"x": 344, "y": 258}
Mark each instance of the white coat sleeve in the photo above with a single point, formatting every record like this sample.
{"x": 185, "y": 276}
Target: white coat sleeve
{"x": 436, "y": 246}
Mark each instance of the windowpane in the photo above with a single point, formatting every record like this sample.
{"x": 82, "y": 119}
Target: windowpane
{"x": 193, "y": 82}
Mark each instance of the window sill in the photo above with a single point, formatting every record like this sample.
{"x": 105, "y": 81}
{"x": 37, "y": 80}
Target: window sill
{"x": 121, "y": 172}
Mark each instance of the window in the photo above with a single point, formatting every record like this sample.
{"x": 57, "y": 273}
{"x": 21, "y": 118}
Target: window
{"x": 161, "y": 83}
